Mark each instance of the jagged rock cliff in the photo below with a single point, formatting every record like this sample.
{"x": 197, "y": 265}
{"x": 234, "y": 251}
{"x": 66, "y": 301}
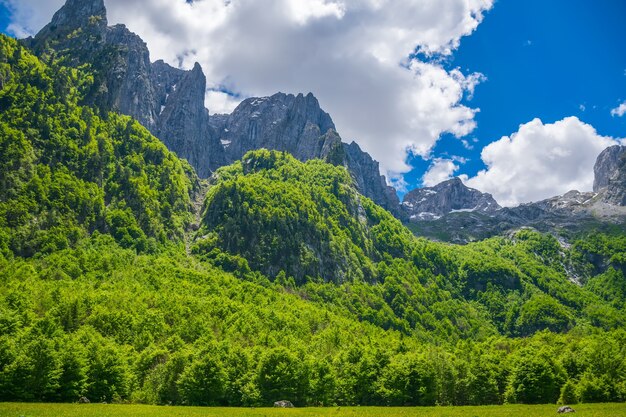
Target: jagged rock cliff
{"x": 183, "y": 123}
{"x": 430, "y": 203}
{"x": 297, "y": 124}
{"x": 572, "y": 211}
{"x": 127, "y": 82}
{"x": 606, "y": 166}
{"x": 366, "y": 173}
{"x": 282, "y": 122}
{"x": 610, "y": 175}
{"x": 170, "y": 103}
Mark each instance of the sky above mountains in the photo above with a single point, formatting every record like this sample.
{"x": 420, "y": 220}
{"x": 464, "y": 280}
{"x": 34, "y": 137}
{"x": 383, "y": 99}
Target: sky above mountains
{"x": 517, "y": 98}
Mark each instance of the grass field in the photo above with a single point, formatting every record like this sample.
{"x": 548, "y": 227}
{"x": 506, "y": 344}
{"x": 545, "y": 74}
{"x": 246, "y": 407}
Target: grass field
{"x": 113, "y": 410}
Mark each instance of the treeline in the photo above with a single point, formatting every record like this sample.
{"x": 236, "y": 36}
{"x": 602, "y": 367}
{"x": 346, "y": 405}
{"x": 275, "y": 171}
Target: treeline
{"x": 304, "y": 225}
{"x": 296, "y": 287}
{"x": 103, "y": 322}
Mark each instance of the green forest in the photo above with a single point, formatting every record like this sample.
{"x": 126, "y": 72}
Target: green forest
{"x": 285, "y": 283}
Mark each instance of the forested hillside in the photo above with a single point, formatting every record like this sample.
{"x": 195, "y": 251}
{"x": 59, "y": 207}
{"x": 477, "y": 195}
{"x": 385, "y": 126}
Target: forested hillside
{"x": 66, "y": 172}
{"x": 296, "y": 286}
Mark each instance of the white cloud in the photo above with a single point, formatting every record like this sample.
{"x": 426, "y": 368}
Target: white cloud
{"x": 619, "y": 110}
{"x": 540, "y": 161}
{"x": 352, "y": 54}
{"x": 439, "y": 171}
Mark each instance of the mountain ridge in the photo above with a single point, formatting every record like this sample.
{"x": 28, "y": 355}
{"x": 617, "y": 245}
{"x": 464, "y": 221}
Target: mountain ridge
{"x": 571, "y": 212}
{"x": 294, "y": 286}
{"x": 129, "y": 83}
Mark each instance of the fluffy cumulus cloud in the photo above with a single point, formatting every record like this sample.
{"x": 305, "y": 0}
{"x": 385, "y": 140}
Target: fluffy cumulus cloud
{"x": 440, "y": 170}
{"x": 540, "y": 161}
{"x": 619, "y": 111}
{"x": 352, "y": 54}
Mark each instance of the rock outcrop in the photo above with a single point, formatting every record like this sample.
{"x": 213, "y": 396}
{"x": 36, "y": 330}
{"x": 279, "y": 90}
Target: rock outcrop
{"x": 170, "y": 103}
{"x": 183, "y": 123}
{"x": 572, "y": 211}
{"x": 430, "y": 203}
{"x": 282, "y": 122}
{"x": 369, "y": 182}
{"x": 297, "y": 124}
{"x": 610, "y": 175}
{"x": 127, "y": 82}
{"x": 283, "y": 404}
{"x": 606, "y": 166}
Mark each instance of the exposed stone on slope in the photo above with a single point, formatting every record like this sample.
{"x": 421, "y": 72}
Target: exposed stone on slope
{"x": 283, "y": 122}
{"x": 607, "y": 164}
{"x": 129, "y": 87}
{"x": 366, "y": 173}
{"x": 610, "y": 171}
{"x": 183, "y": 123}
{"x": 430, "y": 203}
{"x": 82, "y": 21}
{"x": 125, "y": 81}
{"x": 298, "y": 125}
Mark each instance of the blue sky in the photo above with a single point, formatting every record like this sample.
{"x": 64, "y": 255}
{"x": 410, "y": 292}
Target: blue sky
{"x": 4, "y": 18}
{"x": 541, "y": 59}
{"x": 547, "y": 60}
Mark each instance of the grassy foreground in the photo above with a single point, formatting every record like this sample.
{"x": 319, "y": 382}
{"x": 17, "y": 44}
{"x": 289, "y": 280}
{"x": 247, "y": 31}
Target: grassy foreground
{"x": 115, "y": 410}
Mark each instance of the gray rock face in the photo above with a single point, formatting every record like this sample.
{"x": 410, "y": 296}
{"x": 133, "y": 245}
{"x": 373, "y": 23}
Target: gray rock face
{"x": 183, "y": 123}
{"x": 430, "y": 203}
{"x": 282, "y": 122}
{"x": 297, "y": 124}
{"x": 607, "y": 164}
{"x": 610, "y": 175}
{"x": 366, "y": 174}
{"x": 82, "y": 21}
{"x": 283, "y": 404}
{"x": 127, "y": 84}
{"x": 125, "y": 81}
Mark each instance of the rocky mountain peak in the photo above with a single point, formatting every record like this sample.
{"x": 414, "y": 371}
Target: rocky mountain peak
{"x": 610, "y": 175}
{"x": 170, "y": 103}
{"x": 607, "y": 165}
{"x": 167, "y": 101}
{"x": 284, "y": 122}
{"x": 430, "y": 203}
{"x": 78, "y": 14}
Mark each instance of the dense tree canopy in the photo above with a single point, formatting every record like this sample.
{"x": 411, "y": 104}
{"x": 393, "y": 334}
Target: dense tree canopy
{"x": 293, "y": 287}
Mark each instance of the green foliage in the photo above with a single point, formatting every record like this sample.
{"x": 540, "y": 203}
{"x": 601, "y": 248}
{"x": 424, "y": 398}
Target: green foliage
{"x": 535, "y": 379}
{"x": 294, "y": 287}
{"x": 65, "y": 173}
{"x": 568, "y": 394}
{"x": 304, "y": 221}
{"x": 115, "y": 325}
{"x": 280, "y": 214}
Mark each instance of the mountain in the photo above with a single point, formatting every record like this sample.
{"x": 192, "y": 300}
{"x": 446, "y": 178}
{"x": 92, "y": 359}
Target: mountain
{"x": 430, "y": 203}
{"x": 297, "y": 125}
{"x": 610, "y": 175}
{"x": 170, "y": 102}
{"x": 292, "y": 286}
{"x": 67, "y": 173}
{"x": 452, "y": 212}
{"x": 433, "y": 211}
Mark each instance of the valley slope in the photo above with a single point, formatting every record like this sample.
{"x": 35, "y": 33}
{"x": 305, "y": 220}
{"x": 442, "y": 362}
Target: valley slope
{"x": 297, "y": 286}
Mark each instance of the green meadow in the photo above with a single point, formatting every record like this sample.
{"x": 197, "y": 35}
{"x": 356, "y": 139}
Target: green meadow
{"x": 115, "y": 410}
